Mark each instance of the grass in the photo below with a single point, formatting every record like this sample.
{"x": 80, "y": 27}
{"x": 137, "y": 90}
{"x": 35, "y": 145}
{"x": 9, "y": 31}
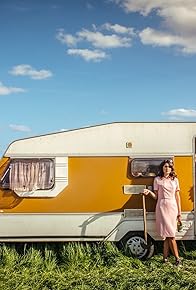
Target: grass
{"x": 89, "y": 266}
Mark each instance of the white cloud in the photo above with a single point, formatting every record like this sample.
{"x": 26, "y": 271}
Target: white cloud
{"x": 100, "y": 40}
{"x": 27, "y": 70}
{"x": 107, "y": 36}
{"x": 154, "y": 37}
{"x": 188, "y": 113}
{"x": 67, "y": 39}
{"x": 158, "y": 38}
{"x": 145, "y": 7}
{"x": 177, "y": 19}
{"x": 4, "y": 90}
{"x": 118, "y": 28}
{"x": 180, "y": 19}
{"x": 20, "y": 128}
{"x": 88, "y": 55}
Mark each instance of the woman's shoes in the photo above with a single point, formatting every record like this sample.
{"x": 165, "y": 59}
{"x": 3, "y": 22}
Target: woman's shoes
{"x": 178, "y": 263}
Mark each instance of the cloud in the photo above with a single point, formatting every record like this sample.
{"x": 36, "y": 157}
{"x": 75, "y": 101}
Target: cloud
{"x": 154, "y": 37}
{"x": 27, "y": 70}
{"x": 145, "y": 7}
{"x": 20, "y": 128}
{"x": 177, "y": 22}
{"x": 118, "y": 28}
{"x": 107, "y": 36}
{"x": 158, "y": 38}
{"x": 62, "y": 130}
{"x": 187, "y": 113}
{"x": 9, "y": 90}
{"x": 67, "y": 39}
{"x": 181, "y": 19}
{"x": 100, "y": 40}
{"x": 88, "y": 55}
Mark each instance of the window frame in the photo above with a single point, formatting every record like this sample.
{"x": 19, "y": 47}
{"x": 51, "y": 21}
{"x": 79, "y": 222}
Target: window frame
{"x": 8, "y": 167}
{"x": 150, "y": 173}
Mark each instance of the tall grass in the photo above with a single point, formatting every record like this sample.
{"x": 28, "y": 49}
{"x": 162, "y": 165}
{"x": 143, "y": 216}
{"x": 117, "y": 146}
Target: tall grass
{"x": 88, "y": 266}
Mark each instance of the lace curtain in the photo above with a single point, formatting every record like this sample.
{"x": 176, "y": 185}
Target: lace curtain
{"x": 31, "y": 175}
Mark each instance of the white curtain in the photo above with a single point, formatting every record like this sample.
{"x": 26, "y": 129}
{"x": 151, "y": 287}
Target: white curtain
{"x": 31, "y": 175}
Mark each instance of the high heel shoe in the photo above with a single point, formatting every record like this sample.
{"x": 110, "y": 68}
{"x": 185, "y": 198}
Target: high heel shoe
{"x": 178, "y": 262}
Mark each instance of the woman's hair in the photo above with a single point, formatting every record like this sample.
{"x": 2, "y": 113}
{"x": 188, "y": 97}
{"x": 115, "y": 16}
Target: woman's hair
{"x": 172, "y": 173}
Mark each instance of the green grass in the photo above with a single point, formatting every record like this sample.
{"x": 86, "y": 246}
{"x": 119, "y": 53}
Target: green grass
{"x": 87, "y": 266}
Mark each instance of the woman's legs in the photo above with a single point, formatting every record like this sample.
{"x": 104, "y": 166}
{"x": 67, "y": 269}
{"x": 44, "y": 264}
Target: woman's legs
{"x": 165, "y": 248}
{"x": 173, "y": 246}
{"x": 170, "y": 244}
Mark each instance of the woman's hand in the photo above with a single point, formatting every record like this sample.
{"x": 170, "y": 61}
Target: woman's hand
{"x": 152, "y": 194}
{"x": 179, "y": 218}
{"x": 146, "y": 191}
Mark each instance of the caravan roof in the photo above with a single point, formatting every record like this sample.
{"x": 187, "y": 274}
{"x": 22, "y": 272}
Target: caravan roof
{"x": 150, "y": 138}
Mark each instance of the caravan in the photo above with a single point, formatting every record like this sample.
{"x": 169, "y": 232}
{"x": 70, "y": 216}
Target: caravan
{"x": 80, "y": 185}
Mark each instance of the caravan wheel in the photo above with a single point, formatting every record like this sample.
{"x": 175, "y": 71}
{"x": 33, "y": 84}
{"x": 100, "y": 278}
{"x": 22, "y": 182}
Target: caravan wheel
{"x": 134, "y": 245}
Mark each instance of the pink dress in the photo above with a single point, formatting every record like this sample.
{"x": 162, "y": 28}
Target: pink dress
{"x": 166, "y": 207}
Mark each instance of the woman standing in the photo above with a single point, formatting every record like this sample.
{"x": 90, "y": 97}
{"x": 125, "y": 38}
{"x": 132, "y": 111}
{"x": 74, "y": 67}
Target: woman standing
{"x": 168, "y": 207}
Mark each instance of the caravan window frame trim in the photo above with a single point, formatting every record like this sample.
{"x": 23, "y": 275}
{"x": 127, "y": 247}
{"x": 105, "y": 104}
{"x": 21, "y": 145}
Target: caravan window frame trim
{"x": 145, "y": 158}
{"x": 28, "y": 159}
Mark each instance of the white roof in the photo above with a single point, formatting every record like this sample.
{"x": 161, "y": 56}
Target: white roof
{"x": 111, "y": 139}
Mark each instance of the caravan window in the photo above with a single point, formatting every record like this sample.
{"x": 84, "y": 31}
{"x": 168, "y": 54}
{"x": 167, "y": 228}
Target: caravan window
{"x": 145, "y": 167}
{"x": 27, "y": 175}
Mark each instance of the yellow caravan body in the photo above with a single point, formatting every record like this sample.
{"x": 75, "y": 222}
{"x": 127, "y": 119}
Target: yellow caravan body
{"x": 90, "y": 192}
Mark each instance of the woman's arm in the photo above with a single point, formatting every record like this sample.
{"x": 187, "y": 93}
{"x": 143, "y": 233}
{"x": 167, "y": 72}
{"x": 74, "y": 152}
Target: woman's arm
{"x": 178, "y": 204}
{"x": 152, "y": 194}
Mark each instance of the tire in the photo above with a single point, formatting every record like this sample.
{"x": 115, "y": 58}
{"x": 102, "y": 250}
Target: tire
{"x": 134, "y": 245}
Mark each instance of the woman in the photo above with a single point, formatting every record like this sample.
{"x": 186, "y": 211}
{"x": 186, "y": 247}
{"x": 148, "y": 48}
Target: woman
{"x": 168, "y": 207}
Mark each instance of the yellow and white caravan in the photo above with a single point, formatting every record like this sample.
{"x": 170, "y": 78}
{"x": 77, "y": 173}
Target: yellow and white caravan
{"x": 78, "y": 185}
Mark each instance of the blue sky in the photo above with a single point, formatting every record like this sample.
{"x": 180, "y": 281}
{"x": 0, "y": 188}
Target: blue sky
{"x": 69, "y": 64}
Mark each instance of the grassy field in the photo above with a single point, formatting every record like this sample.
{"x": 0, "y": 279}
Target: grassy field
{"x": 91, "y": 266}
